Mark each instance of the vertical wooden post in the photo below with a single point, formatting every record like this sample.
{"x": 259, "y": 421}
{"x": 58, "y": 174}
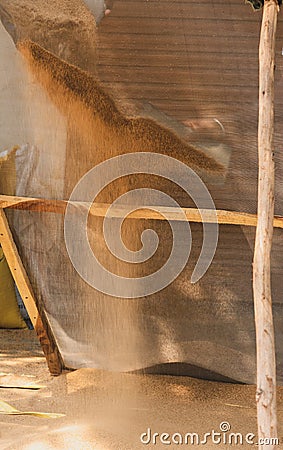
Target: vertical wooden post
{"x": 266, "y": 364}
{"x": 37, "y": 317}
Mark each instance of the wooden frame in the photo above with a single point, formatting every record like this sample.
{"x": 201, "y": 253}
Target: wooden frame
{"x": 37, "y": 315}
{"x": 100, "y": 210}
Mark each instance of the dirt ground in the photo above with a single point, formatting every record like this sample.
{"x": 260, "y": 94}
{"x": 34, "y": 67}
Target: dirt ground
{"x": 111, "y": 410}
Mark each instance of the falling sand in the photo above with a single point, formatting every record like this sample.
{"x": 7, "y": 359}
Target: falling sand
{"x": 67, "y": 28}
{"x": 114, "y": 407}
{"x": 96, "y": 131}
{"x": 74, "y": 86}
{"x": 124, "y": 332}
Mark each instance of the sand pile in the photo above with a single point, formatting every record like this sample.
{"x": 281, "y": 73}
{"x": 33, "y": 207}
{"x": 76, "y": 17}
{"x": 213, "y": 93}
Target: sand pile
{"x": 68, "y": 29}
{"x": 110, "y": 411}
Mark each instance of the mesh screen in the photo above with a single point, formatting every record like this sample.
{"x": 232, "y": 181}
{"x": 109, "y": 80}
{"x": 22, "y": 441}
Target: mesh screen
{"x": 179, "y": 78}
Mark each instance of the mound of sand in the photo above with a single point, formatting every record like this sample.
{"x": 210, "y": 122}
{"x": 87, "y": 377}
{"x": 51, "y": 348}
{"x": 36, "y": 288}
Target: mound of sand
{"x": 110, "y": 410}
{"x": 68, "y": 29}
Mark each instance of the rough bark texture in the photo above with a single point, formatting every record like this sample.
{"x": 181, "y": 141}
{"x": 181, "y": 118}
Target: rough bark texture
{"x": 266, "y": 364}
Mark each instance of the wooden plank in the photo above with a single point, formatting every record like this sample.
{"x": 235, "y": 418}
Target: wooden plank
{"x": 174, "y": 60}
{"x": 155, "y": 59}
{"x": 197, "y": 27}
{"x": 37, "y": 317}
{"x": 100, "y": 210}
{"x": 179, "y": 44}
{"x": 265, "y": 341}
{"x": 220, "y": 42}
{"x": 183, "y": 106}
{"x": 17, "y": 271}
{"x": 181, "y": 2}
{"x": 146, "y": 9}
{"x": 172, "y": 75}
{"x": 156, "y": 91}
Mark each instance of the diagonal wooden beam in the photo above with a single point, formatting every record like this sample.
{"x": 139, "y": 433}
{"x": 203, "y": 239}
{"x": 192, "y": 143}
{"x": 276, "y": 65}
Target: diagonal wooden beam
{"x": 36, "y": 314}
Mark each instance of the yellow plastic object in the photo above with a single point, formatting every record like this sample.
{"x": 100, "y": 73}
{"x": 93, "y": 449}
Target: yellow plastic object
{"x": 7, "y": 409}
{"x": 9, "y": 311}
{"x": 12, "y": 381}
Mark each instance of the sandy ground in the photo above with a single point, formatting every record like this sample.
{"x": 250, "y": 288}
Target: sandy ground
{"x": 111, "y": 410}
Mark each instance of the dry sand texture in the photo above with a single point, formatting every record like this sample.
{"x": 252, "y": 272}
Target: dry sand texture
{"x": 67, "y": 28}
{"x": 109, "y": 411}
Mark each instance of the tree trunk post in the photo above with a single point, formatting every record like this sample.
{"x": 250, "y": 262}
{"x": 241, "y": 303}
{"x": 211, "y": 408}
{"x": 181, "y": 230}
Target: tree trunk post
{"x": 266, "y": 364}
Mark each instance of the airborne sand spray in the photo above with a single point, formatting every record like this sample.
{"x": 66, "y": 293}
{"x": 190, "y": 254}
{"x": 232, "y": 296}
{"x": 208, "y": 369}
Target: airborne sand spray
{"x": 138, "y": 134}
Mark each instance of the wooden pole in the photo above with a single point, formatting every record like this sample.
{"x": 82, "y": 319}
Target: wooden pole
{"x": 266, "y": 364}
{"x": 37, "y": 316}
{"x": 100, "y": 210}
